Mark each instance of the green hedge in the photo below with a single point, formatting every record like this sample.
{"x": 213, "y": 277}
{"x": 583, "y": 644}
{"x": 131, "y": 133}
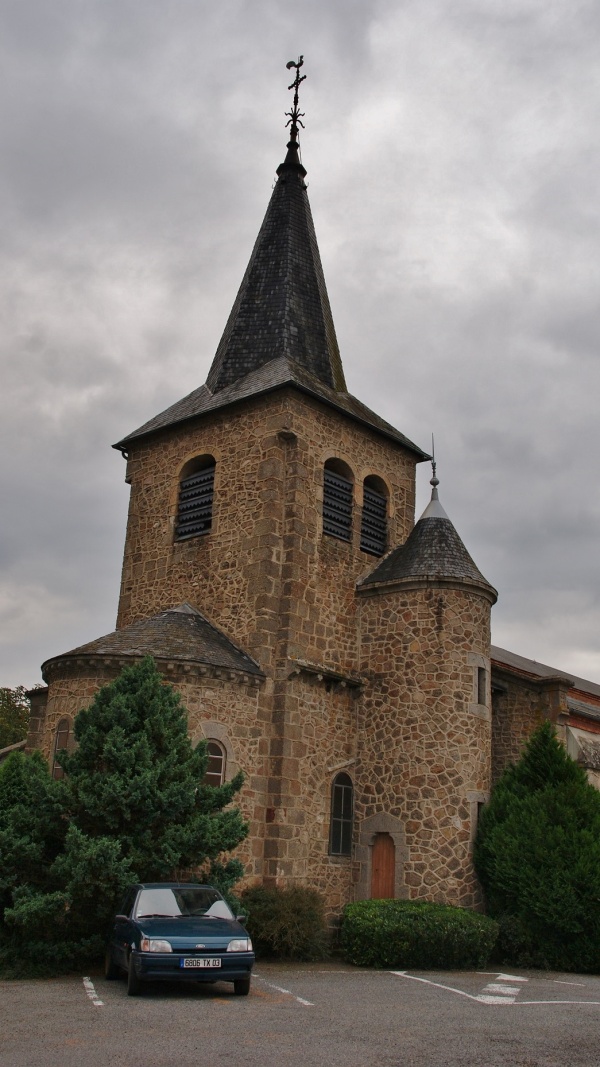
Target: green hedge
{"x": 286, "y": 923}
{"x": 405, "y": 933}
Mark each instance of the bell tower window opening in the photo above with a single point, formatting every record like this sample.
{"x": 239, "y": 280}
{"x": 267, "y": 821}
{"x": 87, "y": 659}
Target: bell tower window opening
{"x": 196, "y": 492}
{"x": 373, "y": 530}
{"x": 338, "y": 497}
{"x": 342, "y": 814}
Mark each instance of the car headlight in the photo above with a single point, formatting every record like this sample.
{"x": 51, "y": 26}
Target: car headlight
{"x": 240, "y": 944}
{"x": 152, "y": 944}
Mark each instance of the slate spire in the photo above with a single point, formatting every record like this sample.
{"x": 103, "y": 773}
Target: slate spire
{"x": 282, "y": 307}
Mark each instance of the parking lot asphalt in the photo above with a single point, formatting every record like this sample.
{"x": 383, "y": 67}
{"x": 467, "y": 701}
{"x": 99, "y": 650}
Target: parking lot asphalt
{"x": 327, "y": 1015}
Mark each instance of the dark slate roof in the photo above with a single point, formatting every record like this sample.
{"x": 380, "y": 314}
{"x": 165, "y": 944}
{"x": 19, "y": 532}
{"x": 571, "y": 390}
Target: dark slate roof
{"x": 180, "y": 633}
{"x": 282, "y": 307}
{"x": 501, "y": 657}
{"x": 280, "y": 330}
{"x": 432, "y": 551}
{"x": 275, "y": 375}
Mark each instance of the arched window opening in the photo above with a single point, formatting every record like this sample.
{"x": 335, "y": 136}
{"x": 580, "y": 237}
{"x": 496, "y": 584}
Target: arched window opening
{"x": 61, "y": 741}
{"x": 196, "y": 491}
{"x": 215, "y": 771}
{"x": 338, "y": 497}
{"x": 373, "y": 530}
{"x": 342, "y": 805}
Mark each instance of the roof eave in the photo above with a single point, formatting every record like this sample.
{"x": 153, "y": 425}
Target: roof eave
{"x": 124, "y": 445}
{"x": 427, "y": 581}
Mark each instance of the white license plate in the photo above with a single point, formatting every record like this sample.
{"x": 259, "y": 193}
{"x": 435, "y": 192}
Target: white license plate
{"x": 201, "y": 961}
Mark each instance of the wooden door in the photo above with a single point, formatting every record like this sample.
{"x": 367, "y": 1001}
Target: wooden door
{"x": 383, "y": 868}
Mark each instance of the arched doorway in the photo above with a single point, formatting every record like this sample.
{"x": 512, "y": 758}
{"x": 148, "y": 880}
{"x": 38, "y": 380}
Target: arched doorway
{"x": 383, "y": 867}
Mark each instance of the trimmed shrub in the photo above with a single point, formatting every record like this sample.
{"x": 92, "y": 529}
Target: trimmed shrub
{"x": 286, "y": 924}
{"x": 537, "y": 854}
{"x": 407, "y": 933}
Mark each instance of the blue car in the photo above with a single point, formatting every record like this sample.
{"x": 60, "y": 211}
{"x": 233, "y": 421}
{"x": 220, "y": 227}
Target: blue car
{"x": 174, "y": 931}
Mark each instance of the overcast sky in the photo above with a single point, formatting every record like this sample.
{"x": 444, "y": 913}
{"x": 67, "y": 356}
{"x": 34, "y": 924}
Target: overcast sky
{"x": 453, "y": 161}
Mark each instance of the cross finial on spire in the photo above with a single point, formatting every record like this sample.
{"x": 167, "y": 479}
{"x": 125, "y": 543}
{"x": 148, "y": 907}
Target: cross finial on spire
{"x": 295, "y": 116}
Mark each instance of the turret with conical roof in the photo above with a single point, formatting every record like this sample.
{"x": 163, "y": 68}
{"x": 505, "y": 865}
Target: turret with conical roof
{"x": 433, "y": 552}
{"x": 424, "y": 619}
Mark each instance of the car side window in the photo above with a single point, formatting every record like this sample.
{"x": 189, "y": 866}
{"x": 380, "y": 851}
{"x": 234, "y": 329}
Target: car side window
{"x": 128, "y": 902}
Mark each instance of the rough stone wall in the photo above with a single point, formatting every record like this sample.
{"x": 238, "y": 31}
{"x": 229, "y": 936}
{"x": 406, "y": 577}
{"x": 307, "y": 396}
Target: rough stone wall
{"x": 264, "y": 572}
{"x": 516, "y": 713}
{"x": 38, "y": 699}
{"x": 318, "y": 741}
{"x": 424, "y": 741}
{"x": 278, "y": 587}
{"x": 520, "y": 704}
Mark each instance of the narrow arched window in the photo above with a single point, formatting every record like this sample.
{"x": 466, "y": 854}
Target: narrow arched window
{"x": 373, "y": 529}
{"x": 338, "y": 494}
{"x": 342, "y": 805}
{"x": 215, "y": 770}
{"x": 196, "y": 491}
{"x": 61, "y": 741}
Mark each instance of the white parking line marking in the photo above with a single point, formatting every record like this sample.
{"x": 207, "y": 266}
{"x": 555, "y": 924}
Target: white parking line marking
{"x": 288, "y": 992}
{"x": 91, "y": 992}
{"x": 427, "y": 981}
{"x": 505, "y": 977}
{"x": 506, "y": 990}
{"x": 557, "y": 981}
{"x": 483, "y": 999}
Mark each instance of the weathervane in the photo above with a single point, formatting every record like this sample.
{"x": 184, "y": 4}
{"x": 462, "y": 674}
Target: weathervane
{"x": 295, "y": 116}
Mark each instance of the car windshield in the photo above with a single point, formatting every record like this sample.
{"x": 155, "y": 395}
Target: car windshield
{"x": 181, "y": 901}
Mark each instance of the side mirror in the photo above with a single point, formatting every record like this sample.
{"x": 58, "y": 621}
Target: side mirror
{"x": 241, "y": 918}
{"x": 121, "y": 918}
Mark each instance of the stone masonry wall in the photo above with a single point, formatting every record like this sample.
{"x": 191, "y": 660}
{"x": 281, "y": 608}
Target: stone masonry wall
{"x": 424, "y": 741}
{"x": 520, "y": 704}
{"x": 264, "y": 567}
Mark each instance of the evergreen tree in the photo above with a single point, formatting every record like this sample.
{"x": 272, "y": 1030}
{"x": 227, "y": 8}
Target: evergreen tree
{"x": 132, "y": 807}
{"x": 14, "y": 715}
{"x": 537, "y": 854}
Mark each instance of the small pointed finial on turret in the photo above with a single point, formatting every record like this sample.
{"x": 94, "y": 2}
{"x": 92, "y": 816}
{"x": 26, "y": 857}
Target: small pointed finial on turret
{"x": 434, "y": 480}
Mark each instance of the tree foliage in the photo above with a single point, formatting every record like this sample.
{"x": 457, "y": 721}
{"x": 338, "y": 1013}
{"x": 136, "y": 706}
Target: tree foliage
{"x": 131, "y": 807}
{"x": 537, "y": 854}
{"x": 14, "y": 715}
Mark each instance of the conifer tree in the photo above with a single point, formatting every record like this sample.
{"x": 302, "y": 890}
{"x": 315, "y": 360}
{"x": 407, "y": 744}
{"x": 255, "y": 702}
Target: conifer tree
{"x": 537, "y": 854}
{"x": 132, "y": 807}
{"x": 136, "y": 778}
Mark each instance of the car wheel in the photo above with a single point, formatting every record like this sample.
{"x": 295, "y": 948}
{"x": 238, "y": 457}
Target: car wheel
{"x": 111, "y": 971}
{"x": 241, "y": 987}
{"x": 134, "y": 986}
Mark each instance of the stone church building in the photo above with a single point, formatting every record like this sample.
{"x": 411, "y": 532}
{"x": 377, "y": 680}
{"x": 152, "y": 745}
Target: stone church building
{"x": 324, "y": 643}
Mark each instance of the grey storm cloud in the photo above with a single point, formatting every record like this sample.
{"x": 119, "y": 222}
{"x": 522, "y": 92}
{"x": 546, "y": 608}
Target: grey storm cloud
{"x": 452, "y": 155}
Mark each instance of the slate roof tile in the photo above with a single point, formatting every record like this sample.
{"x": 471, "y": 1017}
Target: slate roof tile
{"x": 180, "y": 633}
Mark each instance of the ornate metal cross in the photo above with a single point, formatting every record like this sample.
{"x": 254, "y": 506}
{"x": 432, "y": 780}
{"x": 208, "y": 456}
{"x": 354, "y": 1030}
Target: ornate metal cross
{"x": 295, "y": 116}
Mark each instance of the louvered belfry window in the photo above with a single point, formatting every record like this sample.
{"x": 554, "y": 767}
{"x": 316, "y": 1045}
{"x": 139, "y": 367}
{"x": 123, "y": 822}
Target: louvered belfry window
{"x": 337, "y": 505}
{"x": 194, "y": 513}
{"x": 373, "y": 531}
